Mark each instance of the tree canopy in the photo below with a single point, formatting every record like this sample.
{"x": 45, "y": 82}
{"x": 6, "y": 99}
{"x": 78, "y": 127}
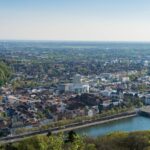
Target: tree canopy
{"x": 139, "y": 140}
{"x": 4, "y": 73}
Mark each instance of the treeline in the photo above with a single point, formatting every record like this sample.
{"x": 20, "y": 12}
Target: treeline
{"x": 4, "y": 73}
{"x": 139, "y": 140}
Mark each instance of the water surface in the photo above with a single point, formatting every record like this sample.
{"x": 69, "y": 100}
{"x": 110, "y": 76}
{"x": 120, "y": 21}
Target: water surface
{"x": 128, "y": 124}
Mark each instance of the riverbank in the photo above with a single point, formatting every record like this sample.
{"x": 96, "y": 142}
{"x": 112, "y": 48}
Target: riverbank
{"x": 67, "y": 128}
{"x": 95, "y": 123}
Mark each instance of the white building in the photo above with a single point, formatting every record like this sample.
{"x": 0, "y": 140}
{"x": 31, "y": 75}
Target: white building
{"x": 77, "y": 86}
{"x": 90, "y": 113}
{"x": 77, "y": 78}
{"x": 146, "y": 63}
{"x": 125, "y": 79}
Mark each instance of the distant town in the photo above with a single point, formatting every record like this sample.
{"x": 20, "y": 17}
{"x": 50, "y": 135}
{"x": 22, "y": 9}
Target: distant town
{"x": 58, "y": 81}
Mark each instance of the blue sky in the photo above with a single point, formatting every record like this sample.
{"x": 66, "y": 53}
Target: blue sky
{"x": 87, "y": 20}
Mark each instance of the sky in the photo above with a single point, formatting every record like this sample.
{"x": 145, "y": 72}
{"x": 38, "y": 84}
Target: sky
{"x": 79, "y": 20}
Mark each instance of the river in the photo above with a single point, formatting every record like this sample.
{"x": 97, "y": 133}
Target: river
{"x": 128, "y": 124}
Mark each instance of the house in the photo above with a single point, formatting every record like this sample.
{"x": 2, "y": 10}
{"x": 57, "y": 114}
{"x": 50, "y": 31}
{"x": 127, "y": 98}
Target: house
{"x": 106, "y": 92}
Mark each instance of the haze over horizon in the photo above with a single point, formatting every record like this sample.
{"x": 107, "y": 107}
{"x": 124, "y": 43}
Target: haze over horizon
{"x": 75, "y": 20}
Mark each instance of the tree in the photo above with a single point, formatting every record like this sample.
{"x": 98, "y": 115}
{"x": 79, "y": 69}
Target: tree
{"x": 71, "y": 136}
{"x": 100, "y": 108}
{"x": 4, "y": 73}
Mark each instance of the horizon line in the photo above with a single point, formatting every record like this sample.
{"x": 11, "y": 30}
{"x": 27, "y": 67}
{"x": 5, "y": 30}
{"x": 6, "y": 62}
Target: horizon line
{"x": 92, "y": 41}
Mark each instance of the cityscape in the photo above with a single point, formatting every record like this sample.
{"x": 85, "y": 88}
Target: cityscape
{"x": 74, "y": 75}
{"x": 68, "y": 84}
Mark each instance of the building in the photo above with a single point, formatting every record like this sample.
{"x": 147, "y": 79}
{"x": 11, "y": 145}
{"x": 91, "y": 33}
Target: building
{"x": 75, "y": 88}
{"x": 90, "y": 113}
{"x": 77, "y": 78}
{"x": 147, "y": 99}
{"x": 106, "y": 92}
{"x": 125, "y": 79}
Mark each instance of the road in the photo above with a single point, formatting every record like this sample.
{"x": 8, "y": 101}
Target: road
{"x": 69, "y": 127}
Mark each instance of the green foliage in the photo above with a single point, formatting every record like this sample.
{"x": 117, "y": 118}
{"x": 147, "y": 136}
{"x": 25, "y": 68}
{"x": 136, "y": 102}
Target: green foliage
{"x": 55, "y": 142}
{"x": 114, "y": 141}
{"x": 134, "y": 77}
{"x": 77, "y": 144}
{"x": 21, "y": 83}
{"x": 4, "y": 73}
